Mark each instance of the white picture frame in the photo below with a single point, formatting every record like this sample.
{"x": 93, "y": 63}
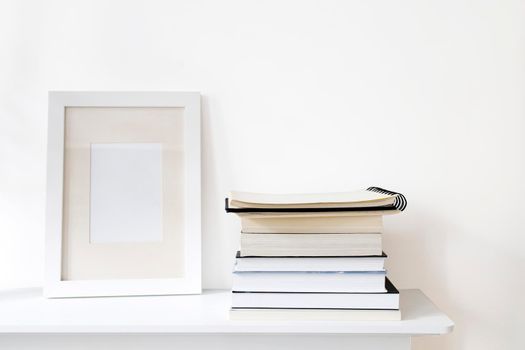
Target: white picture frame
{"x": 190, "y": 280}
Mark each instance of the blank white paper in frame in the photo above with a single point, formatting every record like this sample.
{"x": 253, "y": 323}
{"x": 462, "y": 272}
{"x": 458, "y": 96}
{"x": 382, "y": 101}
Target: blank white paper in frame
{"x": 125, "y": 193}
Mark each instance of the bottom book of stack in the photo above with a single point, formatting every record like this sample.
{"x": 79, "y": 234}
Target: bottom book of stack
{"x": 313, "y": 295}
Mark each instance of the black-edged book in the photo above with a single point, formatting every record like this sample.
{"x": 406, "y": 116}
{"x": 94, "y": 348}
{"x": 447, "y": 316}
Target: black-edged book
{"x": 310, "y": 263}
{"x": 388, "y": 300}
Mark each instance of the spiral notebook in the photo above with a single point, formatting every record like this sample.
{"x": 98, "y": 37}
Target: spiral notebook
{"x": 369, "y": 200}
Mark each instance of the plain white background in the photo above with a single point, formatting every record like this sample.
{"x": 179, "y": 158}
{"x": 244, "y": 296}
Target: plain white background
{"x": 422, "y": 97}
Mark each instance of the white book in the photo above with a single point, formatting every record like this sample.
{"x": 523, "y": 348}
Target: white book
{"x": 311, "y": 223}
{"x": 388, "y": 300}
{"x": 316, "y": 300}
{"x": 339, "y": 263}
{"x": 317, "y": 282}
{"x": 324, "y": 244}
{"x": 313, "y": 315}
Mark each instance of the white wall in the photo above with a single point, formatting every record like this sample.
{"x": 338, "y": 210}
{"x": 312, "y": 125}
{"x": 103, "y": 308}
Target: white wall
{"x": 423, "y": 97}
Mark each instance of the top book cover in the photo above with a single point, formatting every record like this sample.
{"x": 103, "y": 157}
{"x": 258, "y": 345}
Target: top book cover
{"x": 371, "y": 199}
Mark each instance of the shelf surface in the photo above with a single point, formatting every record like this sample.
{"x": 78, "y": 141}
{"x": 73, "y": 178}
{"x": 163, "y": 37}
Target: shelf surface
{"x": 26, "y": 311}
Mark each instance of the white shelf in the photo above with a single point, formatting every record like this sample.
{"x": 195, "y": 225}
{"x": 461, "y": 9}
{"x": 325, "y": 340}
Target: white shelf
{"x": 26, "y": 311}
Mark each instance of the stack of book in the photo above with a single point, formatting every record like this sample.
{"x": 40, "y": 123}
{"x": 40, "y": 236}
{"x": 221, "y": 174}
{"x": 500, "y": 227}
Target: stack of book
{"x": 313, "y": 256}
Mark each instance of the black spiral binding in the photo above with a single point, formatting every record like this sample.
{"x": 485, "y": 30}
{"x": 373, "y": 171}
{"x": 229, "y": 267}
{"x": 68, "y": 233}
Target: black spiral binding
{"x": 400, "y": 202}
